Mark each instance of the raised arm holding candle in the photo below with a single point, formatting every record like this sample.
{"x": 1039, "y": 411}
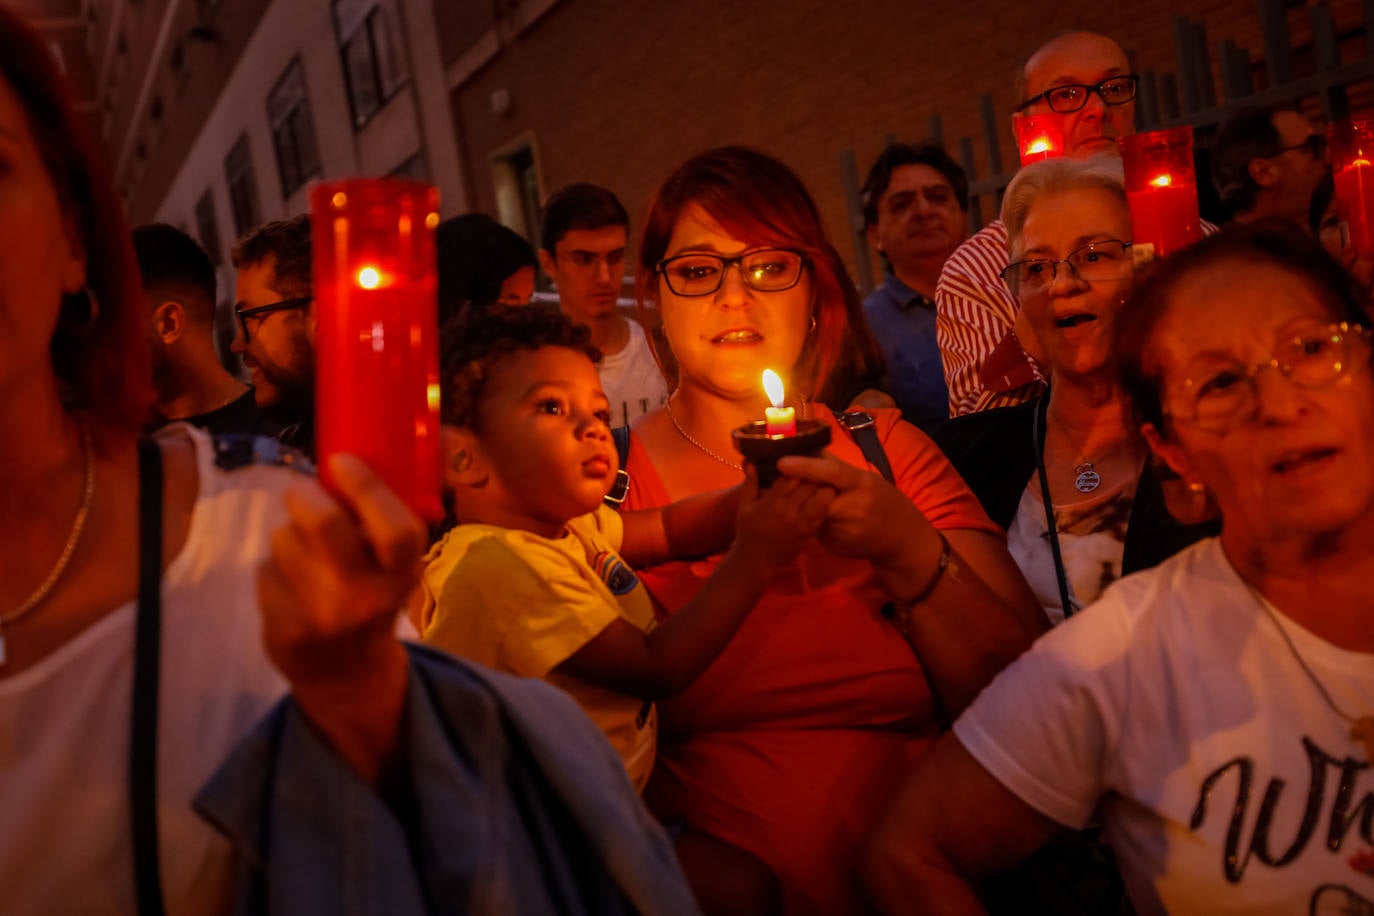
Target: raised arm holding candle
{"x": 784, "y": 746}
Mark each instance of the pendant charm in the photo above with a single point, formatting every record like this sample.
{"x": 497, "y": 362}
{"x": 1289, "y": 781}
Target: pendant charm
{"x": 1085, "y": 479}
{"x": 1363, "y": 731}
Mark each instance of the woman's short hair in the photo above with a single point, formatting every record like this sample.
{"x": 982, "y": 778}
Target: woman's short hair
{"x": 1277, "y": 243}
{"x": 102, "y": 365}
{"x": 761, "y": 201}
{"x": 1057, "y": 176}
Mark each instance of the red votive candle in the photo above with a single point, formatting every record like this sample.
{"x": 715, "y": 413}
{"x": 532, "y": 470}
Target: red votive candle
{"x": 778, "y": 420}
{"x": 1352, "y": 166}
{"x": 376, "y": 339}
{"x": 1161, "y": 189}
{"x": 1038, "y": 137}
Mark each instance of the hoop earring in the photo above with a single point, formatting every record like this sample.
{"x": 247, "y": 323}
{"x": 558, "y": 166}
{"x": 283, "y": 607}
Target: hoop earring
{"x": 80, "y": 310}
{"x": 812, "y": 329}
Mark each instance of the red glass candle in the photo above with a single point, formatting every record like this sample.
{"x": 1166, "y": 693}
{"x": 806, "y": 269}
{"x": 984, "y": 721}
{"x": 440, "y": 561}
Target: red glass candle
{"x": 1038, "y": 137}
{"x": 1161, "y": 189}
{"x": 1352, "y": 164}
{"x": 778, "y": 420}
{"x": 376, "y": 339}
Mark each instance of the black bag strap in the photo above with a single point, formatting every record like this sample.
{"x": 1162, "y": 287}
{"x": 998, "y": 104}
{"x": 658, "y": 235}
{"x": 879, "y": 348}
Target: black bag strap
{"x": 859, "y": 424}
{"x": 147, "y": 665}
{"x": 1038, "y": 440}
{"x": 621, "y": 488}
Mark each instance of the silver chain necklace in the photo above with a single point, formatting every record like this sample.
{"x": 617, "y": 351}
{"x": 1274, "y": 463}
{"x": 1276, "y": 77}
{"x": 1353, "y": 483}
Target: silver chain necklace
{"x": 79, "y": 525}
{"x": 1361, "y": 727}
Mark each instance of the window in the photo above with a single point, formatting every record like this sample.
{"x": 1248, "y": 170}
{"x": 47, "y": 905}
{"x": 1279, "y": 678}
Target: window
{"x": 368, "y": 41}
{"x": 206, "y": 227}
{"x": 293, "y": 131}
{"x": 243, "y": 186}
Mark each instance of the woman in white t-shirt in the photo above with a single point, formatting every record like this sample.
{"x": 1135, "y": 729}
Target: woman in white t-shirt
{"x": 1216, "y": 713}
{"x": 255, "y": 585}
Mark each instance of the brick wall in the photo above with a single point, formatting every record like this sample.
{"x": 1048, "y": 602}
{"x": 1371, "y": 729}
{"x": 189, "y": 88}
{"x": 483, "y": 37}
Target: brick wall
{"x": 620, "y": 93}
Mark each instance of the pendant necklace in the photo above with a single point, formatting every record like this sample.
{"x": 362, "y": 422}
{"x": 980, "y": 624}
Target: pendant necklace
{"x": 1361, "y": 727}
{"x": 79, "y": 525}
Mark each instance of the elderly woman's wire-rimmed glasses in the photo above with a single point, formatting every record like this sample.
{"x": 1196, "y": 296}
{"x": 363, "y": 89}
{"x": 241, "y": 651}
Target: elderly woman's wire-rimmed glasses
{"x": 1066, "y": 99}
{"x": 1218, "y": 393}
{"x": 1107, "y": 259}
{"x": 768, "y": 270}
{"x": 257, "y": 313}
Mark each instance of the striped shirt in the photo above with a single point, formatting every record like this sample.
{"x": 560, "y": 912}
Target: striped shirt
{"x": 974, "y": 312}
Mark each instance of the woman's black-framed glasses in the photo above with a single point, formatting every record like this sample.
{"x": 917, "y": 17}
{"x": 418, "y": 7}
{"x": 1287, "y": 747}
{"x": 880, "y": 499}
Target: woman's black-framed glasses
{"x": 1218, "y": 392}
{"x": 259, "y": 311}
{"x": 1108, "y": 259}
{"x": 1115, "y": 90}
{"x": 768, "y": 270}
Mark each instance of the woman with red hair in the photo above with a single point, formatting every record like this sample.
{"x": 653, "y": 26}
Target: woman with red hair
{"x": 791, "y": 743}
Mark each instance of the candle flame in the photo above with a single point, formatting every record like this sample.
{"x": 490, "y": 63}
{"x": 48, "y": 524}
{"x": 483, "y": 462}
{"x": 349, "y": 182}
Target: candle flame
{"x": 368, "y": 278}
{"x": 1039, "y": 146}
{"x": 773, "y": 386}
{"x": 1163, "y": 181}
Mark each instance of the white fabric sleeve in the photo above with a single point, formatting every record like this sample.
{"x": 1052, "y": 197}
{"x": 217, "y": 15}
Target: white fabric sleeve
{"x": 1046, "y": 727}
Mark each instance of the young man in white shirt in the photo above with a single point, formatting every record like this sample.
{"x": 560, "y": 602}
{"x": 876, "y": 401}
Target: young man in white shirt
{"x": 583, "y": 240}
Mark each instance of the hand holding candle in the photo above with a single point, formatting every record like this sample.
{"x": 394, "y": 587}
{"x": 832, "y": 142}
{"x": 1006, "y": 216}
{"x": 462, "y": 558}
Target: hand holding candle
{"x": 779, "y": 420}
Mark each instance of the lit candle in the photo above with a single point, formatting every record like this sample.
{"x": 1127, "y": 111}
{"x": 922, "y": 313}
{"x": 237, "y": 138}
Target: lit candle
{"x": 1352, "y": 147}
{"x": 778, "y": 420}
{"x": 1038, "y": 137}
{"x": 1161, "y": 190}
{"x": 377, "y": 371}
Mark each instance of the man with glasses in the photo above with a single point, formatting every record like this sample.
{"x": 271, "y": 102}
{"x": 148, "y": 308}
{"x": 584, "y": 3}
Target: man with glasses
{"x": 179, "y": 292}
{"x": 583, "y": 239}
{"x": 276, "y": 325}
{"x": 1266, "y": 164}
{"x": 1084, "y": 78}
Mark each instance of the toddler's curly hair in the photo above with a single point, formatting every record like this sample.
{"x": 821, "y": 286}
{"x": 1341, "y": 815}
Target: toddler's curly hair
{"x": 473, "y": 343}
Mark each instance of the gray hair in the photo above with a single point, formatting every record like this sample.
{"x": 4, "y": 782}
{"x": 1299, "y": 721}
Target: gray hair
{"x": 1057, "y": 176}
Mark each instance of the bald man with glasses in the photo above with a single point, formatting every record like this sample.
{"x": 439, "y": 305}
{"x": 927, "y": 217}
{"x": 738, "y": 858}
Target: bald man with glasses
{"x": 1085, "y": 79}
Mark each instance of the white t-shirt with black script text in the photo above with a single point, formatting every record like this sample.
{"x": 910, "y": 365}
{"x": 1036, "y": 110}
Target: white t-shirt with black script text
{"x": 1173, "y": 710}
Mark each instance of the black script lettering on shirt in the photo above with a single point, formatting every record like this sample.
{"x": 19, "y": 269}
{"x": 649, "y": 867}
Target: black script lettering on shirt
{"x": 1343, "y": 816}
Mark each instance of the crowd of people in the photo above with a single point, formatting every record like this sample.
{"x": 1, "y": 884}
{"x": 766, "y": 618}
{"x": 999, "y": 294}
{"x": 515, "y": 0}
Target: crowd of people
{"x": 1068, "y": 616}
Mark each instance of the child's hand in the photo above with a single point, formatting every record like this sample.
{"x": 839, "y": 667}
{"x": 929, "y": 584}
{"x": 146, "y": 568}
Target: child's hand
{"x": 772, "y": 525}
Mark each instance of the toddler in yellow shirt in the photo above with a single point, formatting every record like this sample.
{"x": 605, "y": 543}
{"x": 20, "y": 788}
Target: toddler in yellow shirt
{"x": 537, "y": 578}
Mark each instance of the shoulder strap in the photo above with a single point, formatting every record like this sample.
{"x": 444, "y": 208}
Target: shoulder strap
{"x": 859, "y": 424}
{"x": 147, "y": 665}
{"x": 621, "y": 488}
{"x": 1038, "y": 437}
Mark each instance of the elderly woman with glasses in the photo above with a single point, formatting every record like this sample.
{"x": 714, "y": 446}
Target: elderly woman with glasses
{"x": 1066, "y": 475}
{"x": 1216, "y": 713}
{"x": 789, "y": 745}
